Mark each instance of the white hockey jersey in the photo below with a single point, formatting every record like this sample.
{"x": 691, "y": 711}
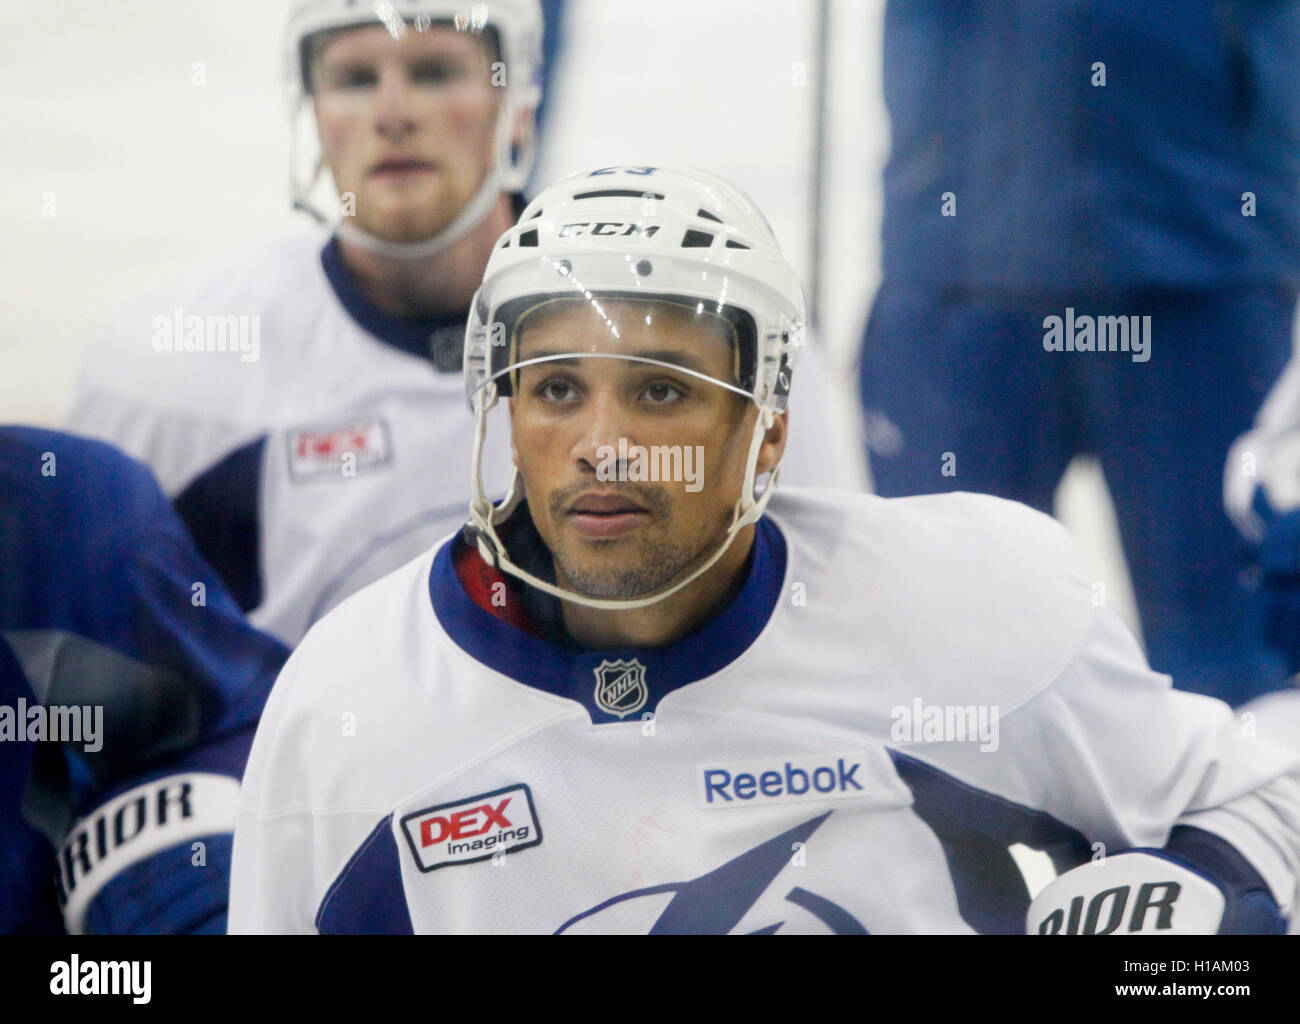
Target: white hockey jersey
{"x": 900, "y": 690}
{"x": 307, "y": 438}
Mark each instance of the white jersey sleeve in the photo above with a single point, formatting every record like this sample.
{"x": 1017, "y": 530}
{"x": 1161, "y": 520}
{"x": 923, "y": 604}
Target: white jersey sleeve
{"x": 182, "y": 377}
{"x": 1111, "y": 749}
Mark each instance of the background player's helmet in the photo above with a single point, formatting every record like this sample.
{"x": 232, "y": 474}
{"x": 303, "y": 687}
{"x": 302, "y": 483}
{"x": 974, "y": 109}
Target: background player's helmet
{"x": 641, "y": 233}
{"x": 518, "y": 27}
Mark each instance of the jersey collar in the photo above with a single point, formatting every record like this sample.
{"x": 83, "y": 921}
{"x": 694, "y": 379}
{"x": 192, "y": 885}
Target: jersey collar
{"x": 440, "y": 339}
{"x": 417, "y": 336}
{"x": 652, "y": 673}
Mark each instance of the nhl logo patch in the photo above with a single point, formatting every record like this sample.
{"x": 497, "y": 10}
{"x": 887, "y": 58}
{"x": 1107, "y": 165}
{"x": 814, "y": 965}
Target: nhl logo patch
{"x": 621, "y": 687}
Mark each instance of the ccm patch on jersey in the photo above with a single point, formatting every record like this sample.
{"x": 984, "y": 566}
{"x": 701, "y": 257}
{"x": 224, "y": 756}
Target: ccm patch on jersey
{"x": 476, "y": 828}
{"x": 342, "y": 450}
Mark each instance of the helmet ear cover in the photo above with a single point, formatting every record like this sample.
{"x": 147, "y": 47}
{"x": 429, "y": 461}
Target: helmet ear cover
{"x": 513, "y": 316}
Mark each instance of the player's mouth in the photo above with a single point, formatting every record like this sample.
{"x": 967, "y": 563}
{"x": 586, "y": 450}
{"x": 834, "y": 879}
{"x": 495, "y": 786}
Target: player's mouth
{"x": 602, "y": 516}
{"x": 401, "y": 167}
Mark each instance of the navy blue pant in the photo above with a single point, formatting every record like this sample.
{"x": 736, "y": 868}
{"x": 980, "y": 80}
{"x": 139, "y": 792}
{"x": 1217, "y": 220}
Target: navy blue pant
{"x": 965, "y": 381}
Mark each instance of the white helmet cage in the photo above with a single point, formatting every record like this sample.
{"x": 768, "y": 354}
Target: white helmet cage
{"x": 518, "y": 27}
{"x": 637, "y": 233}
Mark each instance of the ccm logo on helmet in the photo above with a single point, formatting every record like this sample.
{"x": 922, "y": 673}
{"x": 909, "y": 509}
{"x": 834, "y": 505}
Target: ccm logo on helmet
{"x": 608, "y": 228}
{"x": 476, "y": 828}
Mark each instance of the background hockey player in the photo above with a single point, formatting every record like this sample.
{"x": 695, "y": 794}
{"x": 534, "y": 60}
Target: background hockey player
{"x": 112, "y": 623}
{"x": 631, "y": 699}
{"x": 333, "y": 451}
{"x": 1058, "y": 167}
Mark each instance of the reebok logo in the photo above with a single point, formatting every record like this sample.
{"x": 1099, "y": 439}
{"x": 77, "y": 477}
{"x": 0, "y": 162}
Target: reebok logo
{"x": 473, "y": 829}
{"x": 793, "y": 779}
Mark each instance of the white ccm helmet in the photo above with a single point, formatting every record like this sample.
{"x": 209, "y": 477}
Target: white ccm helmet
{"x": 636, "y": 233}
{"x": 518, "y": 26}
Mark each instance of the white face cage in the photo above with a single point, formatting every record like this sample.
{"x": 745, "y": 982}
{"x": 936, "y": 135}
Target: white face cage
{"x": 641, "y": 234}
{"x": 518, "y": 25}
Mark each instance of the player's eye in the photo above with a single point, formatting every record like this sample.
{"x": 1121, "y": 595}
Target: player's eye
{"x": 663, "y": 392}
{"x": 434, "y": 72}
{"x": 352, "y": 76}
{"x": 557, "y": 391}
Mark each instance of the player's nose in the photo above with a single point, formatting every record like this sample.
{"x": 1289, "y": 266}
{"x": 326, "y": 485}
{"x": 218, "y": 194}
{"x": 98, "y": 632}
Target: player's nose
{"x": 394, "y": 110}
{"x": 603, "y": 423}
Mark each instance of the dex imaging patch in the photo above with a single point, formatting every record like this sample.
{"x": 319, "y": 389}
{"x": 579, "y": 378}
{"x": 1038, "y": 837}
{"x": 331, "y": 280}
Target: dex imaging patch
{"x": 473, "y": 829}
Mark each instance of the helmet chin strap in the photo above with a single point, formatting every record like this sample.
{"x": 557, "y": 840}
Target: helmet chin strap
{"x": 484, "y": 517}
{"x": 466, "y": 221}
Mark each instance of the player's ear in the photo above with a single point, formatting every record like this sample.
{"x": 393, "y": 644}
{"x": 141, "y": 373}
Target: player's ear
{"x": 773, "y": 447}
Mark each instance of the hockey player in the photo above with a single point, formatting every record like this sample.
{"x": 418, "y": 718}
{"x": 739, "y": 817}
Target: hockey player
{"x": 637, "y": 696}
{"x": 1044, "y": 295}
{"x": 130, "y": 684}
{"x": 302, "y": 406}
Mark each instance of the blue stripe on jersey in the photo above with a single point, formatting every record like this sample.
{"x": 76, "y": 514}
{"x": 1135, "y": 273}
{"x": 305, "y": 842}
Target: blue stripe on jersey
{"x": 367, "y": 897}
{"x": 222, "y": 509}
{"x": 534, "y": 662}
{"x": 975, "y": 828}
{"x": 839, "y": 920}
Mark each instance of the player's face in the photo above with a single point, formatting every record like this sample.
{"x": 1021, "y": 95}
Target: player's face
{"x": 623, "y": 538}
{"x": 406, "y": 125}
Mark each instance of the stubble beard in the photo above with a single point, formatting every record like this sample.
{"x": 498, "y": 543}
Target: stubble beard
{"x": 646, "y": 565}
{"x": 406, "y": 226}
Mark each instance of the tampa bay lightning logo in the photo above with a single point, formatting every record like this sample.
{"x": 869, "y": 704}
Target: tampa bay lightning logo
{"x": 715, "y": 903}
{"x": 620, "y": 687}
